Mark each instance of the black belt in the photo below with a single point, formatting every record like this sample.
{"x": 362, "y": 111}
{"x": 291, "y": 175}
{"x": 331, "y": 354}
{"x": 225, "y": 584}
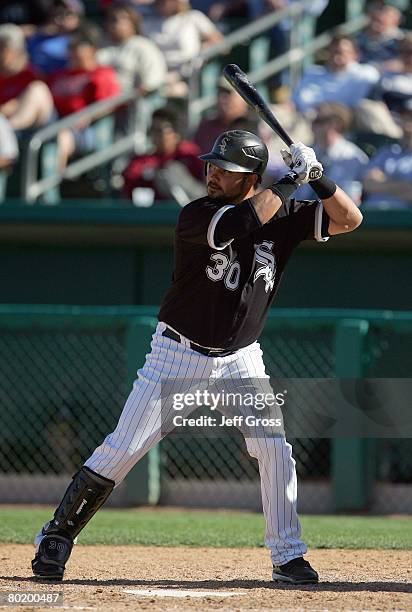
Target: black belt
{"x": 169, "y": 333}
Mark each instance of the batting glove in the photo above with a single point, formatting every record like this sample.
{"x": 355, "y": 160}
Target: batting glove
{"x": 303, "y": 163}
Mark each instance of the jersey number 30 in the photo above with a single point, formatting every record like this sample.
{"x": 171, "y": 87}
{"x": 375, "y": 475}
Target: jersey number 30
{"x": 223, "y": 269}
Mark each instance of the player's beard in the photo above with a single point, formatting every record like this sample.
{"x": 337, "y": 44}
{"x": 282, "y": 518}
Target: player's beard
{"x": 219, "y": 194}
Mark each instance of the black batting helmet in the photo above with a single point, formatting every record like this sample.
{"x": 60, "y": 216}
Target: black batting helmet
{"x": 239, "y": 151}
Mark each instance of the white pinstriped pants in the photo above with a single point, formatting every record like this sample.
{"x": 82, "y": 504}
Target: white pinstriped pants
{"x": 139, "y": 429}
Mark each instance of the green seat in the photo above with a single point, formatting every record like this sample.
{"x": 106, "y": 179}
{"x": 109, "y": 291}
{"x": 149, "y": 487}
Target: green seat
{"x": 259, "y": 55}
{"x": 104, "y": 137}
{"x": 209, "y": 79}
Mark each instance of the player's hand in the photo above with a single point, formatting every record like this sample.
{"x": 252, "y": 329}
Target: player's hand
{"x": 302, "y": 161}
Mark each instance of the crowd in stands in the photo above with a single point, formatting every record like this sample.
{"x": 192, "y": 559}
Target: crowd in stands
{"x": 354, "y": 105}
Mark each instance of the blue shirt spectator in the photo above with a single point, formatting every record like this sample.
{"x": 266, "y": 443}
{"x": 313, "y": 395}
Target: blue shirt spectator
{"x": 388, "y": 177}
{"x": 396, "y": 86}
{"x": 342, "y": 160}
{"x": 342, "y": 80}
{"x": 48, "y": 53}
{"x": 379, "y": 41}
{"x": 48, "y": 47}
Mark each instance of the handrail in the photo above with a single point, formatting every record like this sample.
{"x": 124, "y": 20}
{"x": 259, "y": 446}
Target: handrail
{"x": 250, "y": 30}
{"x": 298, "y": 53}
{"x": 80, "y": 166}
{"x": 293, "y": 56}
{"x": 31, "y": 187}
{"x": 241, "y": 35}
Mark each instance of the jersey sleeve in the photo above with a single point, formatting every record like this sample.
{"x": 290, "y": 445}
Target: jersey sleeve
{"x": 308, "y": 221}
{"x": 198, "y": 220}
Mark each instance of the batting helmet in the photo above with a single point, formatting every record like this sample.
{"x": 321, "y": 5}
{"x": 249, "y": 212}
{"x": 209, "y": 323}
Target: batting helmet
{"x": 239, "y": 151}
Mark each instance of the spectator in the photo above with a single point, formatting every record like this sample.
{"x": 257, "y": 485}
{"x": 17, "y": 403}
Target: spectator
{"x": 137, "y": 60}
{"x": 80, "y": 84}
{"x": 379, "y": 41}
{"x": 147, "y": 171}
{"x": 388, "y": 176}
{"x": 24, "y": 100}
{"x": 377, "y": 115}
{"x": 48, "y": 47}
{"x": 342, "y": 160}
{"x": 396, "y": 86}
{"x": 230, "y": 107}
{"x": 180, "y": 33}
{"x": 9, "y": 149}
{"x": 342, "y": 80}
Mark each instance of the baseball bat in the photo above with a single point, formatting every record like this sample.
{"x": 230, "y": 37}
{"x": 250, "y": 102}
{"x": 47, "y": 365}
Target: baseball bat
{"x": 239, "y": 81}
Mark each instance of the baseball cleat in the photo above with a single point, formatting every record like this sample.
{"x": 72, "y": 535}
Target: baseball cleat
{"x": 297, "y": 571}
{"x": 51, "y": 557}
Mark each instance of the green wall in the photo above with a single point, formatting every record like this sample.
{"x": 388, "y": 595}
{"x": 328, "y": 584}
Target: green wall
{"x": 83, "y": 255}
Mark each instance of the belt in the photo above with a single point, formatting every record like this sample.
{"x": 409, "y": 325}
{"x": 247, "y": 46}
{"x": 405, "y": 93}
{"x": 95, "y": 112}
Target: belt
{"x": 169, "y": 333}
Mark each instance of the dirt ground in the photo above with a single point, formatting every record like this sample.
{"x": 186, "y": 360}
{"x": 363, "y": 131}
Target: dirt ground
{"x": 98, "y": 577}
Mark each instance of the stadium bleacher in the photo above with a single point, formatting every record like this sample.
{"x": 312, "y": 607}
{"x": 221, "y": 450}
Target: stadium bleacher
{"x": 249, "y": 46}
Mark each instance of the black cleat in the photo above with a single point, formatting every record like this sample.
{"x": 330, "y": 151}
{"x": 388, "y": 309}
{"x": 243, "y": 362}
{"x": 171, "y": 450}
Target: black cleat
{"x": 51, "y": 557}
{"x": 297, "y": 571}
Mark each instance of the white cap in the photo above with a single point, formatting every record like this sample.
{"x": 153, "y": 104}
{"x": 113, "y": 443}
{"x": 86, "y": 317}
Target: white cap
{"x": 12, "y": 36}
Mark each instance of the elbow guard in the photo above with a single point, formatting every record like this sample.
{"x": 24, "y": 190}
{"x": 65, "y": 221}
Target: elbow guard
{"x": 285, "y": 188}
{"x": 238, "y": 221}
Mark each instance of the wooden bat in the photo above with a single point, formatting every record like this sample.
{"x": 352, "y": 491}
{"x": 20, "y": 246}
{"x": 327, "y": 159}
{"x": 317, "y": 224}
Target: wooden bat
{"x": 239, "y": 81}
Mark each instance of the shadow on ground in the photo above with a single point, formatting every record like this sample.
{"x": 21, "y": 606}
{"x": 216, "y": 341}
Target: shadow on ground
{"x": 390, "y": 587}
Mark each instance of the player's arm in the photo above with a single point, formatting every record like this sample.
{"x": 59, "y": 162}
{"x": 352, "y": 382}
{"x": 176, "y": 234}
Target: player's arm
{"x": 244, "y": 218}
{"x": 266, "y": 204}
{"x": 344, "y": 215}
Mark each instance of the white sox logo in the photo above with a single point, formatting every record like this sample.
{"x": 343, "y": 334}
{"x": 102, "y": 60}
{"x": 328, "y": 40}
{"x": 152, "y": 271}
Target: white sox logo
{"x": 223, "y": 145}
{"x": 266, "y": 258}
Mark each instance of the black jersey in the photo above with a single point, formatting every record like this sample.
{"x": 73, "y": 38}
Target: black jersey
{"x": 220, "y": 294}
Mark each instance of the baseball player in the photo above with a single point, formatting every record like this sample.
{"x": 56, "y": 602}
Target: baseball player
{"x": 230, "y": 252}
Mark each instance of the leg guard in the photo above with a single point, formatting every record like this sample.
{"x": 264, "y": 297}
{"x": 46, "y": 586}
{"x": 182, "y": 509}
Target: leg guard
{"x": 84, "y": 496}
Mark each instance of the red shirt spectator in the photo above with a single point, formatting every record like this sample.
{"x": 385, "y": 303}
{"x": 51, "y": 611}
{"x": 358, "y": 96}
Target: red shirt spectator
{"x": 141, "y": 171}
{"x": 25, "y": 101}
{"x": 75, "y": 88}
{"x": 168, "y": 146}
{"x": 12, "y": 85}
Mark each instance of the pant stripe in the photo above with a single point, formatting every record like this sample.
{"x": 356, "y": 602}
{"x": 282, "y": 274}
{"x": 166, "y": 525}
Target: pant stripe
{"x": 139, "y": 429}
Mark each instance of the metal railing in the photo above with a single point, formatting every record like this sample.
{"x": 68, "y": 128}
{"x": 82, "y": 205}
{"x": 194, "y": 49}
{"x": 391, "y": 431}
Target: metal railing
{"x": 198, "y": 103}
{"x": 296, "y": 55}
{"x": 32, "y": 187}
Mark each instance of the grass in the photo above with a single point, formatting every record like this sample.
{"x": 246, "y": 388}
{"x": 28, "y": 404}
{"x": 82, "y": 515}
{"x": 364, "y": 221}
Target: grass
{"x": 211, "y": 528}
